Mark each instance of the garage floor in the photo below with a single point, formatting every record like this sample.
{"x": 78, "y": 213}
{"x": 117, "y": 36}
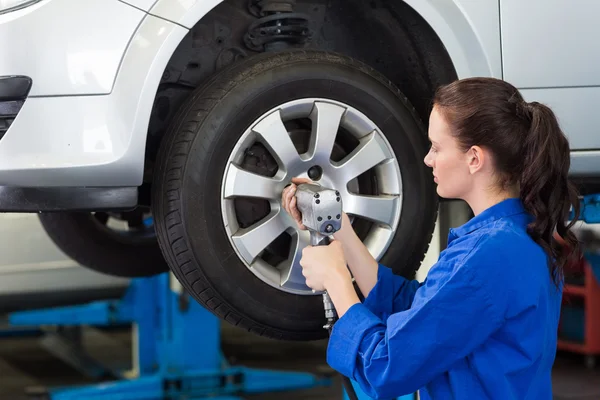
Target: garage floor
{"x": 25, "y": 363}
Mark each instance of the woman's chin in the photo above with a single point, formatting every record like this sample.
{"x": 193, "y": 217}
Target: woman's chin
{"x": 439, "y": 190}
{"x": 443, "y": 193}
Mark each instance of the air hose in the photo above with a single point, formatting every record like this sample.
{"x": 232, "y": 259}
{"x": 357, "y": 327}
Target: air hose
{"x": 348, "y": 387}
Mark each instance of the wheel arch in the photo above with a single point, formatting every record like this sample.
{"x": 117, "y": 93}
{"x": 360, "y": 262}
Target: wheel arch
{"x": 441, "y": 43}
{"x": 449, "y": 22}
{"x": 457, "y": 30}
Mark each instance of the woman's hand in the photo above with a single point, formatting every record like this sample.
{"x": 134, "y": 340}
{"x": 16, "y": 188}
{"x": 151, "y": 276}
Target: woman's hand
{"x": 323, "y": 266}
{"x": 288, "y": 200}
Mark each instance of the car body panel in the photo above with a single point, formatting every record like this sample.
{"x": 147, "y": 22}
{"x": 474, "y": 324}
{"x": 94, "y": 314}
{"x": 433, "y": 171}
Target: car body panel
{"x": 183, "y": 12}
{"x": 95, "y": 140}
{"x": 66, "y": 46}
{"x": 145, "y": 5}
{"x": 551, "y": 60}
{"x": 550, "y": 43}
{"x": 576, "y": 111}
{"x": 470, "y": 32}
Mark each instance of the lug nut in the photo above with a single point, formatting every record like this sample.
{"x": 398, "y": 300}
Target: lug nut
{"x": 315, "y": 172}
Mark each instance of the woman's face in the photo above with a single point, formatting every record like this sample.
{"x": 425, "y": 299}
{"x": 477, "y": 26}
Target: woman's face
{"x": 450, "y": 164}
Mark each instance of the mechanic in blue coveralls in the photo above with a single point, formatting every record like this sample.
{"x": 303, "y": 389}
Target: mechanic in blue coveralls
{"x": 484, "y": 323}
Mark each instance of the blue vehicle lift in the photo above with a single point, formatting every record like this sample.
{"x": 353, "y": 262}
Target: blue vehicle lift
{"x": 177, "y": 349}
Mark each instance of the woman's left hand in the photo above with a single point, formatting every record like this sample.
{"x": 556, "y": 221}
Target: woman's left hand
{"x": 324, "y": 266}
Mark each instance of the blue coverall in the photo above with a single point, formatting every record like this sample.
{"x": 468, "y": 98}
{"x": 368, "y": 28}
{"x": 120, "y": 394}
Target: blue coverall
{"x": 483, "y": 325}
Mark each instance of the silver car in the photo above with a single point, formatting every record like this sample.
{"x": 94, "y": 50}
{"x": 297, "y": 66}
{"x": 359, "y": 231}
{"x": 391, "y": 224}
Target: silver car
{"x": 184, "y": 119}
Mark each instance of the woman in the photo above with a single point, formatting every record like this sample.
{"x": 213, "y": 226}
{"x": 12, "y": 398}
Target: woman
{"x": 484, "y": 323}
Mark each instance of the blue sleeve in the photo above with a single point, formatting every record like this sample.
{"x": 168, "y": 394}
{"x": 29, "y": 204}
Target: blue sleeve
{"x": 451, "y": 314}
{"x": 392, "y": 293}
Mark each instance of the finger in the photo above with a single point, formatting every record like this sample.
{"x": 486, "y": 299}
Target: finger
{"x": 290, "y": 204}
{"x": 298, "y": 181}
{"x": 294, "y": 207}
{"x": 296, "y": 214}
{"x": 305, "y": 252}
{"x": 290, "y": 195}
{"x": 286, "y": 198}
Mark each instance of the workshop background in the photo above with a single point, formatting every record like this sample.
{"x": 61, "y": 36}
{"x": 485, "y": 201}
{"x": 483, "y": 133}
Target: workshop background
{"x": 36, "y": 358}
{"x": 181, "y": 121}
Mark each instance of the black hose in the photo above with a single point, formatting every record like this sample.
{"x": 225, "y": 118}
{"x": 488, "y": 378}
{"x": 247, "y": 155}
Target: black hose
{"x": 349, "y": 388}
{"x": 329, "y": 326}
{"x": 345, "y": 380}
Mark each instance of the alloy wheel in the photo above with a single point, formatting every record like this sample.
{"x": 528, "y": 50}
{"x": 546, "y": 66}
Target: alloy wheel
{"x": 350, "y": 154}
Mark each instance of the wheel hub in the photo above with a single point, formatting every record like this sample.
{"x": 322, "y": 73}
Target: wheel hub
{"x": 323, "y": 140}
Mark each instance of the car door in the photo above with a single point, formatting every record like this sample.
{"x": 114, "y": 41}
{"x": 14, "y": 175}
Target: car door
{"x": 550, "y": 52}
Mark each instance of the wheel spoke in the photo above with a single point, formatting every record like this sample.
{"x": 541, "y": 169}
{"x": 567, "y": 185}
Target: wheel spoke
{"x": 291, "y": 271}
{"x": 326, "y": 119}
{"x": 381, "y": 209}
{"x": 370, "y": 152}
{"x": 253, "y": 240}
{"x": 242, "y": 183}
{"x": 275, "y": 136}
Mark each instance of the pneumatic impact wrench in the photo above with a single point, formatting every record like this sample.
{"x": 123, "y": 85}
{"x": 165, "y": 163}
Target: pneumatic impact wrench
{"x": 321, "y": 210}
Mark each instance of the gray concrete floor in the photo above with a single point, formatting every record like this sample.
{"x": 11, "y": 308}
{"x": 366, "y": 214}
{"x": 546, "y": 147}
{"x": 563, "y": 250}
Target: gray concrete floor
{"x": 24, "y": 362}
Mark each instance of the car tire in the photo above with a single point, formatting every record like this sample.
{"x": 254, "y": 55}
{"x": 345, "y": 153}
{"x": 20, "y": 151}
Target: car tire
{"x": 87, "y": 239}
{"x": 194, "y": 220}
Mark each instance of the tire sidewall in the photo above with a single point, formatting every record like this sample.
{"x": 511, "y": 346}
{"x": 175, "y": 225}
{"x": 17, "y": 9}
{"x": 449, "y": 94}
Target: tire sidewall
{"x": 86, "y": 241}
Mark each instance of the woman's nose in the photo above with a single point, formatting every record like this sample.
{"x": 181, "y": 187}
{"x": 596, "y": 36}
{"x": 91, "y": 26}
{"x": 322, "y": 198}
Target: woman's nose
{"x": 427, "y": 160}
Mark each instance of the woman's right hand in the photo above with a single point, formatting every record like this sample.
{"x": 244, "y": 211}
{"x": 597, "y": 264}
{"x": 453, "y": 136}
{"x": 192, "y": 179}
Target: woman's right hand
{"x": 288, "y": 200}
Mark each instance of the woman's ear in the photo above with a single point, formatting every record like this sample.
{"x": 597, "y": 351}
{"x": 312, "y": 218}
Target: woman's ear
{"x": 476, "y": 159}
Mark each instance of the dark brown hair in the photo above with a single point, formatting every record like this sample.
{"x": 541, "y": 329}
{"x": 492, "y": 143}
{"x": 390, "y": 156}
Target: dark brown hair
{"x": 529, "y": 151}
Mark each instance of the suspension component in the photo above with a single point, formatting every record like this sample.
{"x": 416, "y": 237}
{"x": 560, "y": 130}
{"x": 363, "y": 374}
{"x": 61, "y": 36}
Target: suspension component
{"x": 277, "y": 27}
{"x": 262, "y": 8}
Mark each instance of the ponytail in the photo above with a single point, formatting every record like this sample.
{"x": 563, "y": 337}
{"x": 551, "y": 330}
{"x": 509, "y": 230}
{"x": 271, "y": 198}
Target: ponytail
{"x": 545, "y": 189}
